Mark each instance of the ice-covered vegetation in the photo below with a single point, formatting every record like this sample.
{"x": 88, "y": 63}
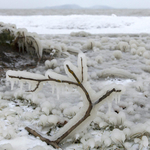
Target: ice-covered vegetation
{"x": 77, "y": 78}
{"x": 32, "y": 43}
{"x": 113, "y": 61}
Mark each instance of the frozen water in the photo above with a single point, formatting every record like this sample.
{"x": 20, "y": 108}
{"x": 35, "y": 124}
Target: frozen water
{"x": 94, "y": 24}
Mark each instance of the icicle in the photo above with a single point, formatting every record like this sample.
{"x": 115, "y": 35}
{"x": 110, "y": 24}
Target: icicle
{"x": 29, "y": 86}
{"x": 22, "y": 45}
{"x": 19, "y": 47}
{"x": 58, "y": 90}
{"x": 53, "y": 88}
{"x": 117, "y": 98}
{"x": 34, "y": 97}
{"x": 21, "y": 85}
{"x": 66, "y": 88}
{"x": 63, "y": 87}
{"x": 109, "y": 98}
{"x": 109, "y": 107}
{"x": 12, "y": 84}
{"x": 33, "y": 85}
{"x": 16, "y": 82}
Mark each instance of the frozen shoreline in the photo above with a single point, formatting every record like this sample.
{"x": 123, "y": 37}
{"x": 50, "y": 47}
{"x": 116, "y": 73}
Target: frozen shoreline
{"x": 111, "y": 58}
{"x": 93, "y": 24}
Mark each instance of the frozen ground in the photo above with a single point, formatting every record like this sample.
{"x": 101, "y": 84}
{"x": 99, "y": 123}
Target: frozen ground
{"x": 109, "y": 61}
{"x": 111, "y": 58}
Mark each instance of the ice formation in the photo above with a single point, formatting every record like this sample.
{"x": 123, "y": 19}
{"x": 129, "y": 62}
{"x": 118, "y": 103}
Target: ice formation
{"x": 99, "y": 59}
{"x": 143, "y": 142}
{"x": 76, "y": 76}
{"x": 80, "y": 34}
{"x": 32, "y": 43}
{"x": 26, "y": 75}
{"x": 104, "y": 39}
{"x": 118, "y": 136}
{"x": 123, "y": 46}
{"x": 117, "y": 54}
{"x": 133, "y": 51}
{"x": 89, "y": 45}
{"x": 115, "y": 72}
{"x": 51, "y": 64}
{"x": 146, "y": 54}
{"x": 6, "y": 147}
{"x": 38, "y": 147}
{"x": 141, "y": 50}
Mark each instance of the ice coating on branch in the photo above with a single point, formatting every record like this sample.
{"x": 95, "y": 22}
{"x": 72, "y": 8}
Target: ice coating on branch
{"x": 70, "y": 67}
{"x": 80, "y": 71}
{"x": 93, "y": 113}
{"x": 17, "y": 76}
{"x": 73, "y": 121}
{"x": 82, "y": 111}
{"x": 113, "y": 96}
{"x": 82, "y": 65}
{"x": 56, "y": 76}
{"x": 77, "y": 77}
{"x": 23, "y": 74}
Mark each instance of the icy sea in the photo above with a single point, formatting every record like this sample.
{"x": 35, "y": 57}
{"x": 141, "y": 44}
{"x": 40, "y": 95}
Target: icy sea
{"x": 67, "y": 21}
{"x": 116, "y": 44}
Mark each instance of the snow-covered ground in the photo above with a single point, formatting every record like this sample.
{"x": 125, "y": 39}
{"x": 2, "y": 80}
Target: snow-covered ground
{"x": 73, "y": 23}
{"x": 113, "y": 58}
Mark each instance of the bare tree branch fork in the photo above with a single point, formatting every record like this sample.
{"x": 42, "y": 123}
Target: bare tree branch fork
{"x": 56, "y": 143}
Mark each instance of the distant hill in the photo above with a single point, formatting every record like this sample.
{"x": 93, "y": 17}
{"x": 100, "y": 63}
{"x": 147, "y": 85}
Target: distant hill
{"x": 73, "y": 6}
{"x": 67, "y": 6}
{"x": 100, "y": 7}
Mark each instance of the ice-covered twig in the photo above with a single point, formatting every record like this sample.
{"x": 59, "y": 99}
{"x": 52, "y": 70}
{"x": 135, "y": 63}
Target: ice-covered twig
{"x": 106, "y": 95}
{"x": 82, "y": 68}
{"x": 79, "y": 81}
{"x": 33, "y": 132}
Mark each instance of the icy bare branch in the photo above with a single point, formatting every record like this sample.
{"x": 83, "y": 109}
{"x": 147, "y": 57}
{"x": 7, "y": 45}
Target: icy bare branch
{"x": 90, "y": 105}
{"x": 106, "y": 95}
{"x": 82, "y": 68}
{"x": 33, "y": 132}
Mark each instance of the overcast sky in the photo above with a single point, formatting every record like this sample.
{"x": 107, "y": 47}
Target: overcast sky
{"x": 85, "y": 3}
